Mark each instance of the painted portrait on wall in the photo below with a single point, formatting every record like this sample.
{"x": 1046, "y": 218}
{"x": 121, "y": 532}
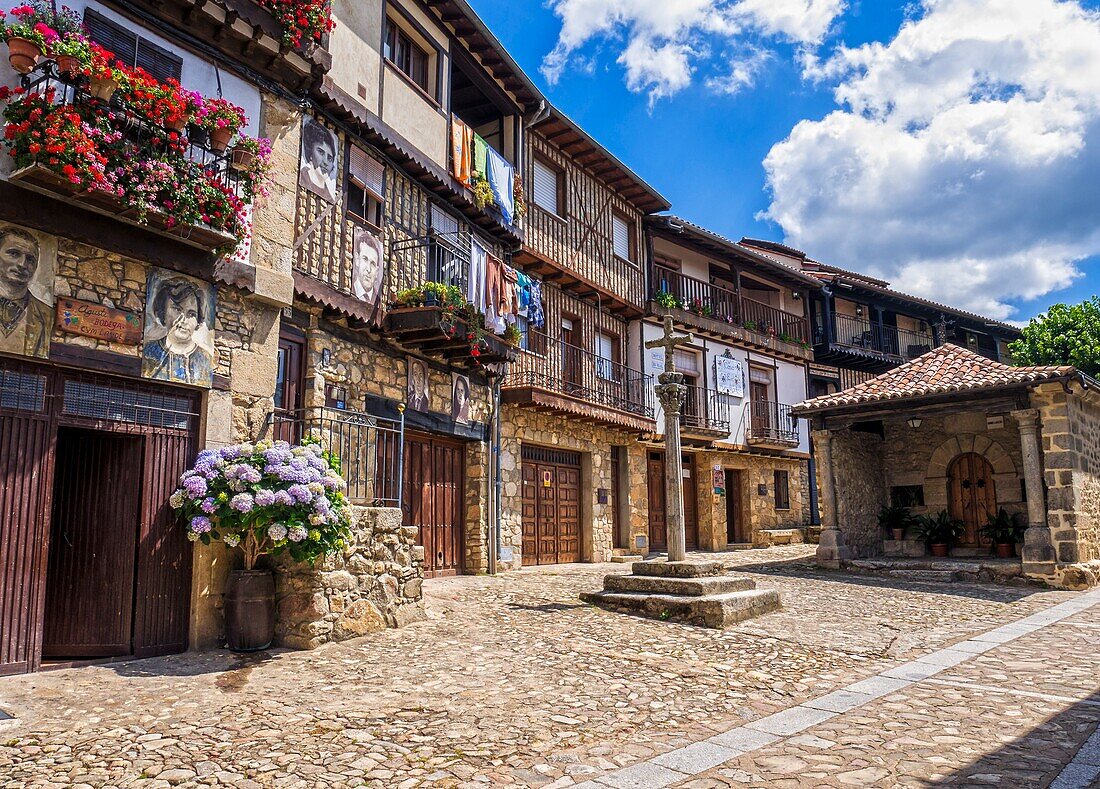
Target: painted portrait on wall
{"x": 417, "y": 394}
{"x": 317, "y": 171}
{"x": 27, "y": 265}
{"x": 367, "y": 256}
{"x": 178, "y": 342}
{"x": 460, "y": 398}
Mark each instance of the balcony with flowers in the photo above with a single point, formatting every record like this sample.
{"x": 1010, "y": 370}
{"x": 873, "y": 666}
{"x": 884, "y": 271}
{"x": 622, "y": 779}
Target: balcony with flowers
{"x": 91, "y": 131}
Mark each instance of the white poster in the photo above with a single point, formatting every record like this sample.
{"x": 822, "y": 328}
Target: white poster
{"x": 657, "y": 361}
{"x": 729, "y": 375}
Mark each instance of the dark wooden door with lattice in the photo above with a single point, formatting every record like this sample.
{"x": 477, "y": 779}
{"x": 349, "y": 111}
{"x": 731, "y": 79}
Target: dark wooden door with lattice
{"x": 551, "y": 506}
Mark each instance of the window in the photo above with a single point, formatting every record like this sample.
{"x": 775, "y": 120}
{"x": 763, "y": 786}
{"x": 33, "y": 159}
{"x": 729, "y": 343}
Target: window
{"x": 547, "y": 188}
{"x": 622, "y": 237}
{"x": 132, "y": 49}
{"x": 409, "y": 57}
{"x": 782, "y": 491}
{"x": 364, "y": 186}
{"x": 607, "y": 354}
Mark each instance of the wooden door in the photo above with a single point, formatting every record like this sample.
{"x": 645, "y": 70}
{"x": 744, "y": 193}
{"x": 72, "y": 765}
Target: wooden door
{"x": 761, "y": 412}
{"x": 655, "y": 478}
{"x": 620, "y": 538}
{"x": 973, "y": 497}
{"x": 551, "y": 506}
{"x": 434, "y": 501}
{"x": 735, "y": 528}
{"x": 571, "y": 351}
{"x": 93, "y": 542}
{"x": 26, "y": 467}
{"x": 289, "y": 387}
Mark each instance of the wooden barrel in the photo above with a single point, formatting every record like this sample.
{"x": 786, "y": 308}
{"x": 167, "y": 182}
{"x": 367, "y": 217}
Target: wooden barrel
{"x": 250, "y": 610}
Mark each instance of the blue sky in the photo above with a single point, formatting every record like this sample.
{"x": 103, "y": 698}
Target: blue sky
{"x": 939, "y": 156}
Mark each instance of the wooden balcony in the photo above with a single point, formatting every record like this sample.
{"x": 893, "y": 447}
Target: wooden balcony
{"x": 430, "y": 330}
{"x": 771, "y": 426}
{"x": 724, "y": 314}
{"x": 557, "y": 377}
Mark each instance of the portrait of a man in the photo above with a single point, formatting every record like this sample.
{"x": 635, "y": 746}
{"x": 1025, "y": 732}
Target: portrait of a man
{"x": 460, "y": 398}
{"x": 318, "y": 165}
{"x": 366, "y": 266}
{"x": 25, "y": 318}
{"x": 417, "y": 394}
{"x": 179, "y": 329}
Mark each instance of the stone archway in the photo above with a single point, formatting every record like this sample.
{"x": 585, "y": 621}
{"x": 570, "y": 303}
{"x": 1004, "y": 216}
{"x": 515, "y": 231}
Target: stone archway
{"x": 936, "y": 479}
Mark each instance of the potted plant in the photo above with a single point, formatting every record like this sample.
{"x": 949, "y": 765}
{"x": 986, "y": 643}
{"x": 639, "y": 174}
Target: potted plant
{"x": 222, "y": 119}
{"x": 25, "y": 29}
{"x": 267, "y": 498}
{"x": 667, "y": 300}
{"x": 1004, "y": 531}
{"x": 483, "y": 193}
{"x": 512, "y": 335}
{"x": 103, "y": 80}
{"x": 72, "y": 54}
{"x": 939, "y": 531}
{"x": 895, "y": 520}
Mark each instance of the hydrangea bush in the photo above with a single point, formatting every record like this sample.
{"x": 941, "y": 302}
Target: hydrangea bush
{"x": 267, "y": 497}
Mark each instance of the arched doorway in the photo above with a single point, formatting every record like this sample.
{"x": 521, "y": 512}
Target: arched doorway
{"x": 972, "y": 496}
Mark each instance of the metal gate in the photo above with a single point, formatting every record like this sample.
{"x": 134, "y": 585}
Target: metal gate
{"x": 36, "y": 401}
{"x": 551, "y": 506}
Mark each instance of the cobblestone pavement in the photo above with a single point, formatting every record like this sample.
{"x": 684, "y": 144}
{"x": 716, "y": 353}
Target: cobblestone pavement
{"x": 512, "y": 681}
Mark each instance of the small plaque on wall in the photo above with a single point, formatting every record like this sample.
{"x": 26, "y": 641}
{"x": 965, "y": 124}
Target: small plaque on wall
{"x": 89, "y": 319}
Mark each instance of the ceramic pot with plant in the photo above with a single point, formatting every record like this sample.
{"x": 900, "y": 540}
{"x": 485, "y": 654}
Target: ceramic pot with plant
{"x": 223, "y": 119}
{"x": 72, "y": 54}
{"x": 895, "y": 521}
{"x": 266, "y": 498}
{"x": 939, "y": 532}
{"x": 103, "y": 79}
{"x": 1004, "y": 531}
{"x": 25, "y": 30}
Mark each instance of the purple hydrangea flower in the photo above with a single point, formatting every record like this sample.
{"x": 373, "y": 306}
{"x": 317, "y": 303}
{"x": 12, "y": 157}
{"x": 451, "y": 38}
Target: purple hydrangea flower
{"x": 242, "y": 502}
{"x": 201, "y": 524}
{"x": 299, "y": 463}
{"x": 208, "y": 506}
{"x": 284, "y": 498}
{"x": 300, "y": 493}
{"x": 249, "y": 474}
{"x": 277, "y": 531}
{"x": 296, "y": 533}
{"x": 265, "y": 497}
{"x": 195, "y": 487}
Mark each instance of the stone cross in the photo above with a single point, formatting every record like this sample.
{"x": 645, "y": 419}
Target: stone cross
{"x": 671, "y": 393}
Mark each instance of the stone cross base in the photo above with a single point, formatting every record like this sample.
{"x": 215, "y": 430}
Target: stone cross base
{"x": 691, "y": 592}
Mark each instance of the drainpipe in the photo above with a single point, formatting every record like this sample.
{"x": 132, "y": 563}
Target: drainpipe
{"x": 495, "y": 486}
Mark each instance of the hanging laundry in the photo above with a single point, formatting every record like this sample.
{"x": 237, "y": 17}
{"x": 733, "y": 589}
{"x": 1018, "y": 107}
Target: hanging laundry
{"x": 523, "y": 290}
{"x": 536, "y": 314}
{"x": 475, "y": 281}
{"x": 509, "y": 297}
{"x": 502, "y": 181}
{"x": 494, "y": 282}
{"x": 462, "y": 150}
{"x": 479, "y": 164}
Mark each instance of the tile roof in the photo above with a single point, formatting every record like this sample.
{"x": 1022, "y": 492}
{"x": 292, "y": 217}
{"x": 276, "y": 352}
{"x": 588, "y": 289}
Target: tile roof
{"x": 943, "y": 370}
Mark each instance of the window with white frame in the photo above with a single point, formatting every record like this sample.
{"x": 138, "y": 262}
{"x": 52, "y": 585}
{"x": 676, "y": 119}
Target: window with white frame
{"x": 547, "y": 187}
{"x": 622, "y": 237}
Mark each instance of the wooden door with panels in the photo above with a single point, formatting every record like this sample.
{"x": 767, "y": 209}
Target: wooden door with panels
{"x": 973, "y": 497}
{"x": 551, "y": 506}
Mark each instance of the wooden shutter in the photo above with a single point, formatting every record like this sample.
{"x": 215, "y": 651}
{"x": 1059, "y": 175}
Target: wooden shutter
{"x": 131, "y": 49}
{"x": 545, "y": 188}
{"x": 620, "y": 236}
{"x": 443, "y": 223}
{"x": 367, "y": 172}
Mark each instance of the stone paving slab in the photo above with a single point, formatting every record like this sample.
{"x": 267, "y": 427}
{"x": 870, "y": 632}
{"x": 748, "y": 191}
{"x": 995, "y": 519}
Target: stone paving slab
{"x": 510, "y": 682}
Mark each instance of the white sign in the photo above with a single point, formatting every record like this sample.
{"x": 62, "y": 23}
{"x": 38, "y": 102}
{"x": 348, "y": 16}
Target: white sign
{"x": 729, "y": 376}
{"x": 657, "y": 361}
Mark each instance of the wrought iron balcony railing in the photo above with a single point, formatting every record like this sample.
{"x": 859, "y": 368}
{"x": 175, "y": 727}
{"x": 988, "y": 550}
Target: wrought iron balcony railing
{"x": 771, "y": 423}
{"x": 706, "y": 410}
{"x": 866, "y": 335}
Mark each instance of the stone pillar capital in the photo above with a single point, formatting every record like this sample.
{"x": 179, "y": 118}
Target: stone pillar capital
{"x": 1026, "y": 418}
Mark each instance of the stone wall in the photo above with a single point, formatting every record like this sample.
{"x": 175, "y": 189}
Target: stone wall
{"x": 1070, "y": 423}
{"x": 858, "y": 462}
{"x": 757, "y": 511}
{"x": 525, "y": 425}
{"x": 374, "y": 584}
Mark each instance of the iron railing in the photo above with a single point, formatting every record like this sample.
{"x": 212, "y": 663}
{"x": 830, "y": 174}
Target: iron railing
{"x": 724, "y": 304}
{"x": 706, "y": 409}
{"x": 569, "y": 370}
{"x": 370, "y": 448}
{"x": 771, "y": 422}
{"x": 863, "y": 334}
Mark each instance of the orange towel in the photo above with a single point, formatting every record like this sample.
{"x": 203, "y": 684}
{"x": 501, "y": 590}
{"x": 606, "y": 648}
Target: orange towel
{"x": 462, "y": 148}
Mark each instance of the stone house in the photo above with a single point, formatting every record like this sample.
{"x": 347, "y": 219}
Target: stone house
{"x": 745, "y": 458}
{"x": 955, "y": 431}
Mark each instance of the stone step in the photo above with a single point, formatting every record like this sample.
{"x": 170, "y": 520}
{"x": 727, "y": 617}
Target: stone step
{"x": 690, "y": 587}
{"x": 718, "y": 611}
{"x": 687, "y": 569}
{"x": 940, "y": 576}
{"x": 627, "y": 558}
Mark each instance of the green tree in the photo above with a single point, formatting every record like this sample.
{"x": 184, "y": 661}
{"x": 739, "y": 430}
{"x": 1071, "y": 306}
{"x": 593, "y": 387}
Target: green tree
{"x": 1065, "y": 334}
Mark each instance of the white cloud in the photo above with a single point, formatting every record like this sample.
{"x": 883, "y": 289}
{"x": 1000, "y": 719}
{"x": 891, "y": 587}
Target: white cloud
{"x": 664, "y": 42}
{"x": 962, "y": 163}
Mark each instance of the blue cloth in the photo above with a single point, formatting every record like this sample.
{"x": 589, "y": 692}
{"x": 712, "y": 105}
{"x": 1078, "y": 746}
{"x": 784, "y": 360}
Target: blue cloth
{"x": 523, "y": 288}
{"x": 502, "y": 182}
{"x": 535, "y": 314}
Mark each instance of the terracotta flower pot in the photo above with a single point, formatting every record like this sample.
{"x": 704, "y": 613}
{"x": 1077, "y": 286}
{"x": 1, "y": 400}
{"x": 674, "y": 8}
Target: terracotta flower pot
{"x": 219, "y": 139}
{"x": 242, "y": 158}
{"x": 23, "y": 54}
{"x": 938, "y": 548}
{"x": 250, "y": 610}
{"x": 68, "y": 65}
{"x": 898, "y": 534}
{"x": 102, "y": 87}
{"x": 176, "y": 125}
{"x": 1006, "y": 550}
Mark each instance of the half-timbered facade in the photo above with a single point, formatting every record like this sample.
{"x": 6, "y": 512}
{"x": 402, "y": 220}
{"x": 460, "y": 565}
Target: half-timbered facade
{"x": 745, "y": 460}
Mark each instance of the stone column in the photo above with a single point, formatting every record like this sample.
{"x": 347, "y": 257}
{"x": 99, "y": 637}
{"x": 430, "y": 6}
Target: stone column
{"x": 1038, "y": 550}
{"x": 831, "y": 547}
{"x": 671, "y": 394}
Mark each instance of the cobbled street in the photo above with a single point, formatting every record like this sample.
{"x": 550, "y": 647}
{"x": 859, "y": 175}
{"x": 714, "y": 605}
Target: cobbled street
{"x": 512, "y": 681}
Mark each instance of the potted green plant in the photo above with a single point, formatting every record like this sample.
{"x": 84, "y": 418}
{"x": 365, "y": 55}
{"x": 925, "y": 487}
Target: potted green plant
{"x": 267, "y": 498}
{"x": 895, "y": 520}
{"x": 25, "y": 29}
{"x": 72, "y": 54}
{"x": 939, "y": 532}
{"x": 1004, "y": 531}
{"x": 512, "y": 335}
{"x": 222, "y": 119}
{"x": 667, "y": 300}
